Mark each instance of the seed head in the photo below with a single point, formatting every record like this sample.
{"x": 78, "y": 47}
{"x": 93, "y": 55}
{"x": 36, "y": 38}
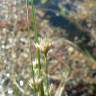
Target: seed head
{"x": 44, "y": 45}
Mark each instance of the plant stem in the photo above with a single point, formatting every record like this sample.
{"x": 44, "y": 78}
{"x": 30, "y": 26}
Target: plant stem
{"x": 34, "y": 25}
{"x": 33, "y": 13}
{"x": 46, "y": 69}
{"x": 38, "y": 57}
{"x": 41, "y": 93}
{"x": 41, "y": 89}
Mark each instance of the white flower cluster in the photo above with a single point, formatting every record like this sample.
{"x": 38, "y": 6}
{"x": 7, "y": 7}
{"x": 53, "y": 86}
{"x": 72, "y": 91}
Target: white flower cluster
{"x": 44, "y": 45}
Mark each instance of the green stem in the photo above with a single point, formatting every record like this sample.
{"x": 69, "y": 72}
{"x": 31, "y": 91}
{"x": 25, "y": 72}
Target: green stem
{"x": 46, "y": 69}
{"x": 41, "y": 89}
{"x": 33, "y": 75}
{"x": 39, "y": 63}
{"x": 34, "y": 25}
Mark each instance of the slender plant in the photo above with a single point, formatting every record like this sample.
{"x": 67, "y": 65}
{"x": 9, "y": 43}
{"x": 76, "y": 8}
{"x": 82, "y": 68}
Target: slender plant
{"x": 39, "y": 81}
{"x": 34, "y": 29}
